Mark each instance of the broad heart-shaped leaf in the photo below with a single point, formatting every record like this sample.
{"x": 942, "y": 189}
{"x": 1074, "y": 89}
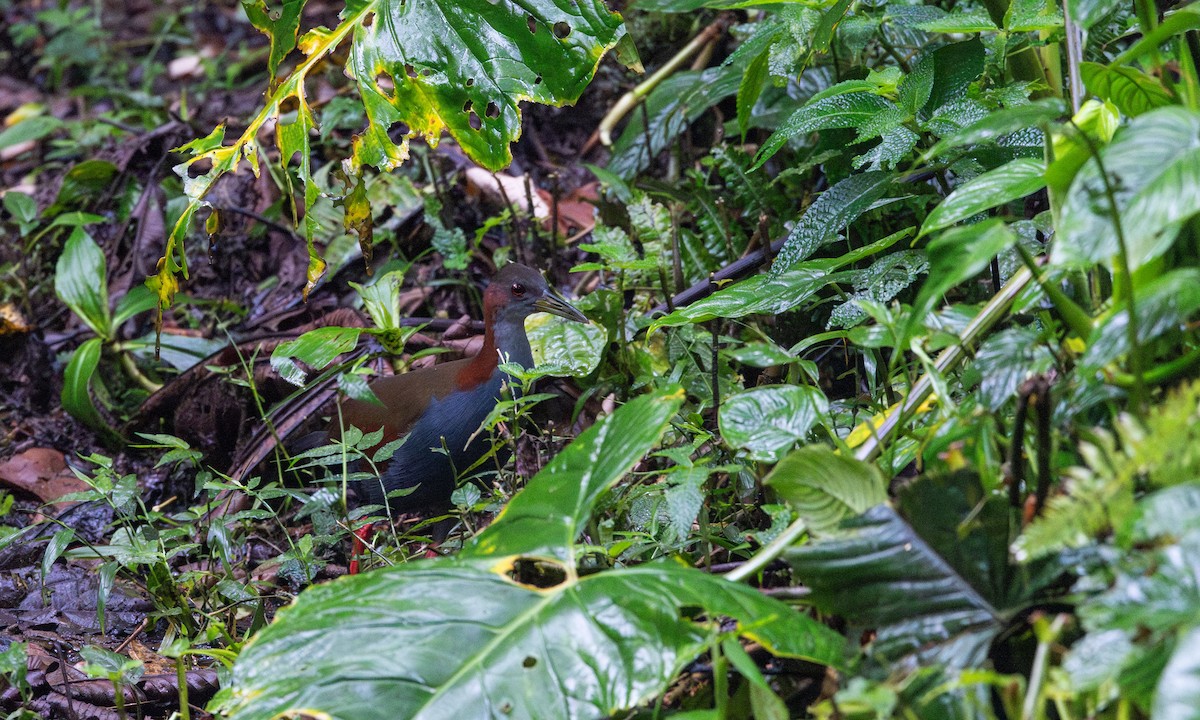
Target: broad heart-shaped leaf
{"x": 836, "y": 208}
{"x": 81, "y": 281}
{"x": 466, "y": 65}
{"x": 824, "y": 487}
{"x": 565, "y": 349}
{"x": 767, "y": 420}
{"x": 450, "y": 639}
{"x": 937, "y": 592}
{"x": 1011, "y": 181}
{"x": 1154, "y": 170}
{"x": 547, "y": 516}
{"x": 1131, "y": 90}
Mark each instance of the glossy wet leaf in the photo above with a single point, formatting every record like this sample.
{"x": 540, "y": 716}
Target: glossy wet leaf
{"x": 833, "y": 210}
{"x": 759, "y": 294}
{"x": 768, "y": 420}
{"x": 547, "y": 516}
{"x": 565, "y": 349}
{"x": 281, "y": 22}
{"x": 466, "y": 66}
{"x": 1131, "y": 90}
{"x": 1009, "y": 182}
{"x": 315, "y": 348}
{"x": 929, "y": 590}
{"x": 1154, "y": 168}
{"x": 824, "y": 487}
{"x": 81, "y": 281}
{"x": 839, "y": 111}
{"x": 76, "y": 396}
{"x": 996, "y": 125}
{"x": 443, "y": 639}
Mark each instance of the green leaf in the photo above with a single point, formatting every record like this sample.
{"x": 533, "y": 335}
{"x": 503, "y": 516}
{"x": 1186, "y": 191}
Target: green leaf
{"x": 76, "y": 399}
{"x": 825, "y": 488}
{"x": 916, "y": 87}
{"x": 1178, "y": 695}
{"x": 768, "y": 294}
{"x": 823, "y": 34}
{"x": 955, "y": 67}
{"x": 444, "y": 639}
{"x": 1032, "y": 16}
{"x": 997, "y": 124}
{"x": 547, "y": 516}
{"x": 969, "y": 21}
{"x": 1131, "y": 90}
{"x": 55, "y": 548}
{"x": 565, "y": 349}
{"x": 81, "y": 282}
{"x": 32, "y": 129}
{"x": 1087, "y": 13}
{"x": 750, "y": 88}
{"x": 955, "y": 256}
{"x": 138, "y": 300}
{"x": 1009, "y": 182}
{"x": 838, "y": 111}
{"x": 316, "y": 348}
{"x": 836, "y": 208}
{"x": 466, "y": 66}
{"x": 1154, "y": 166}
{"x": 768, "y": 420}
{"x": 281, "y": 24}
{"x": 1164, "y": 304}
{"x": 928, "y": 590}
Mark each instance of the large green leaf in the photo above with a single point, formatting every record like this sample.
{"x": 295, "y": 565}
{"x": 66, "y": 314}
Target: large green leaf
{"x": 77, "y": 380}
{"x": 1154, "y": 173}
{"x": 1012, "y": 181}
{"x": 459, "y": 637}
{"x": 767, "y": 420}
{"x": 997, "y": 124}
{"x": 451, "y": 65}
{"x": 548, "y": 515}
{"x": 442, "y": 640}
{"x": 824, "y": 487}
{"x": 1164, "y": 304}
{"x": 930, "y": 590}
{"x": 81, "y": 282}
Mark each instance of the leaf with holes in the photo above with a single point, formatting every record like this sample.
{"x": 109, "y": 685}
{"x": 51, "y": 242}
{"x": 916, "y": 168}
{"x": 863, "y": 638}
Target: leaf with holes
{"x": 465, "y": 67}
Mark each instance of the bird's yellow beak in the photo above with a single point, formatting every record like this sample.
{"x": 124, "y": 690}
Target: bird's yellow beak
{"x": 555, "y": 304}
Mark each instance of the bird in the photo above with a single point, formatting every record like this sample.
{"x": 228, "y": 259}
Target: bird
{"x": 439, "y": 410}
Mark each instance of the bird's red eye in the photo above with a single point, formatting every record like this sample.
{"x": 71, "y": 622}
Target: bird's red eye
{"x": 518, "y": 290}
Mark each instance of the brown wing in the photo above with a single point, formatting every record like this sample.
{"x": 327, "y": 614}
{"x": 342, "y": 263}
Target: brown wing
{"x": 404, "y": 398}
